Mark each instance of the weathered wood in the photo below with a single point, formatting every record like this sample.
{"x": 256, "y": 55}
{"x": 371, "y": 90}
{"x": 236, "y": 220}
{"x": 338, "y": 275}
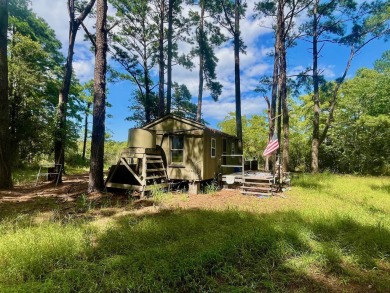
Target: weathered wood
{"x": 135, "y": 187}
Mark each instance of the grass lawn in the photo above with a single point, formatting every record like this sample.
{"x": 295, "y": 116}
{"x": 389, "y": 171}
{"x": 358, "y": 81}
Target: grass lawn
{"x": 330, "y": 234}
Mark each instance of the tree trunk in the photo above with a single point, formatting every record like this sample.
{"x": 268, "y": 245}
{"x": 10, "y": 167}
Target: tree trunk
{"x": 316, "y": 97}
{"x": 60, "y": 135}
{"x": 86, "y": 130}
{"x": 147, "y": 93}
{"x": 5, "y": 150}
{"x": 237, "y": 73}
{"x": 266, "y": 164}
{"x": 283, "y": 89}
{"x": 285, "y": 114}
{"x": 161, "y": 97}
{"x": 279, "y": 129}
{"x": 274, "y": 94}
{"x": 60, "y": 132}
{"x": 169, "y": 65}
{"x": 146, "y": 78}
{"x": 96, "y": 182}
{"x": 201, "y": 63}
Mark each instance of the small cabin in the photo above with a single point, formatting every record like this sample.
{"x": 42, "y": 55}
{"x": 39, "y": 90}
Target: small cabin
{"x": 191, "y": 150}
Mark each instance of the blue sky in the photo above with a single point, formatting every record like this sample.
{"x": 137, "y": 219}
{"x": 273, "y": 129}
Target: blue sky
{"x": 254, "y": 64}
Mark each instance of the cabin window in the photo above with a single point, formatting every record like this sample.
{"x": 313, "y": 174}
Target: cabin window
{"x": 233, "y": 148}
{"x": 213, "y": 147}
{"x": 177, "y": 149}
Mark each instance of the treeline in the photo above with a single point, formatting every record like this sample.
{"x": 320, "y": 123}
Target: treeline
{"x": 358, "y": 141}
{"x": 43, "y": 106}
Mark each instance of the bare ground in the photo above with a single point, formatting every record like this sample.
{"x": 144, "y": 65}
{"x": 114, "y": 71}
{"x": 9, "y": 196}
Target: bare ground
{"x": 46, "y": 196}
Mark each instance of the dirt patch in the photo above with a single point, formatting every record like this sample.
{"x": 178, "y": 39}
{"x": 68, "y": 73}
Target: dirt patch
{"x": 48, "y": 196}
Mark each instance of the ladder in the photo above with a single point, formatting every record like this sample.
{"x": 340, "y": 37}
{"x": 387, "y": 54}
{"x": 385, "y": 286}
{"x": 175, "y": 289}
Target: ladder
{"x": 51, "y": 171}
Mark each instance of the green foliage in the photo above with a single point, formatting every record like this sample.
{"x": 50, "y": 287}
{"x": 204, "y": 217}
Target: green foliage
{"x": 34, "y": 78}
{"x": 112, "y": 151}
{"x": 181, "y": 102}
{"x": 358, "y": 141}
{"x": 208, "y": 35}
{"x": 158, "y": 193}
{"x": 211, "y": 188}
{"x": 137, "y": 107}
{"x": 255, "y": 133}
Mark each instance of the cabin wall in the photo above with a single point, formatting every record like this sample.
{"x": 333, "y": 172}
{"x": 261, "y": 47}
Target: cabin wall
{"x": 212, "y": 165}
{"x": 198, "y": 164}
{"x": 192, "y": 166}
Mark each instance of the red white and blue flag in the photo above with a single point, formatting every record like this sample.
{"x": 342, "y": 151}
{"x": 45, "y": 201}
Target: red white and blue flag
{"x": 272, "y": 146}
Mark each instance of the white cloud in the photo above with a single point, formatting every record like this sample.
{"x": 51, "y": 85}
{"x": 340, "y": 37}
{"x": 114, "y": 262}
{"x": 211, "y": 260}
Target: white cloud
{"x": 219, "y": 110}
{"x": 253, "y": 63}
{"x": 328, "y": 71}
{"x": 84, "y": 69}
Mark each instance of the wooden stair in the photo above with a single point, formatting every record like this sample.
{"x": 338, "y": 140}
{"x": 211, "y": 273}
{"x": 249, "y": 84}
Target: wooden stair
{"x": 257, "y": 186}
{"x": 154, "y": 170}
{"x": 138, "y": 170}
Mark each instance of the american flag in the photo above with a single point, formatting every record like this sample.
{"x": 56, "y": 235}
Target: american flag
{"x": 272, "y": 146}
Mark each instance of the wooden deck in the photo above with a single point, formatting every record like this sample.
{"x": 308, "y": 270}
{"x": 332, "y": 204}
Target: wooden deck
{"x": 252, "y": 182}
{"x": 237, "y": 176}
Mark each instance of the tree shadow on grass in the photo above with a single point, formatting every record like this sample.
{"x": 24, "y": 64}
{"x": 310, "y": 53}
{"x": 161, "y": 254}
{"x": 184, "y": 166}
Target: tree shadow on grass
{"x": 231, "y": 251}
{"x": 317, "y": 182}
{"x": 383, "y": 187}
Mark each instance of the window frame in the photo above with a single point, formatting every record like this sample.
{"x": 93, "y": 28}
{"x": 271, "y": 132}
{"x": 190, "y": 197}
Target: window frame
{"x": 171, "y": 149}
{"x": 213, "y": 139}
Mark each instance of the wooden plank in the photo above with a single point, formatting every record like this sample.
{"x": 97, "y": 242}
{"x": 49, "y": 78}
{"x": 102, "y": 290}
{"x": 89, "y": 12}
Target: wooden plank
{"x": 233, "y": 166}
{"x": 160, "y": 185}
{"x": 155, "y": 170}
{"x": 155, "y": 177}
{"x": 124, "y": 186}
{"x": 257, "y": 187}
{"x": 154, "y": 161}
{"x": 135, "y": 187}
{"x": 258, "y": 178}
{"x": 256, "y": 193}
{"x": 258, "y": 183}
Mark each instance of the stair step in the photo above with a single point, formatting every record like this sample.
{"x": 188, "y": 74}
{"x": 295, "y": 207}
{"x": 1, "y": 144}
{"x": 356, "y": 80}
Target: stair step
{"x": 155, "y": 177}
{"x": 257, "y": 183}
{"x": 256, "y": 193}
{"x": 155, "y": 170}
{"x": 258, "y": 178}
{"x": 256, "y": 188}
{"x": 154, "y": 161}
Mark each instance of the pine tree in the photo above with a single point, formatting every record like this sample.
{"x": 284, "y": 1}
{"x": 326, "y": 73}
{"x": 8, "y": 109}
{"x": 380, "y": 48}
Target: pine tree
{"x": 96, "y": 182}
{"x": 5, "y": 150}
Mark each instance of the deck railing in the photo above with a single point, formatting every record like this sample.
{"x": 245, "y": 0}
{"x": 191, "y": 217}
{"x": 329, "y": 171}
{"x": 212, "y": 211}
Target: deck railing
{"x": 241, "y": 166}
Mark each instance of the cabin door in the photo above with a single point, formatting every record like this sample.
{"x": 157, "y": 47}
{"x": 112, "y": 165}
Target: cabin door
{"x": 224, "y": 150}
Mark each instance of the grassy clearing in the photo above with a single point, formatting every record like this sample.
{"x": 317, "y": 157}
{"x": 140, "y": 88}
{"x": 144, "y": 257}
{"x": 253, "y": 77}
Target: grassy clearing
{"x": 331, "y": 234}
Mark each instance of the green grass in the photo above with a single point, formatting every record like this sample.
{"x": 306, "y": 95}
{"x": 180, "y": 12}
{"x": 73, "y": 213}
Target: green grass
{"x": 332, "y": 233}
{"x": 25, "y": 175}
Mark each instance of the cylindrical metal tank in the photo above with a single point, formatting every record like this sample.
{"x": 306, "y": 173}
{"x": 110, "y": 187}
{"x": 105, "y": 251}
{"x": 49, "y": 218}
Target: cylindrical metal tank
{"x": 141, "y": 138}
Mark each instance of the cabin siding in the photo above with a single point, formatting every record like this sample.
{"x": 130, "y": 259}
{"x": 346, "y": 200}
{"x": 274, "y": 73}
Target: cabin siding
{"x": 198, "y": 164}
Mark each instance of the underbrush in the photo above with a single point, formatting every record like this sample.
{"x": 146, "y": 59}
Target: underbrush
{"x": 332, "y": 234}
